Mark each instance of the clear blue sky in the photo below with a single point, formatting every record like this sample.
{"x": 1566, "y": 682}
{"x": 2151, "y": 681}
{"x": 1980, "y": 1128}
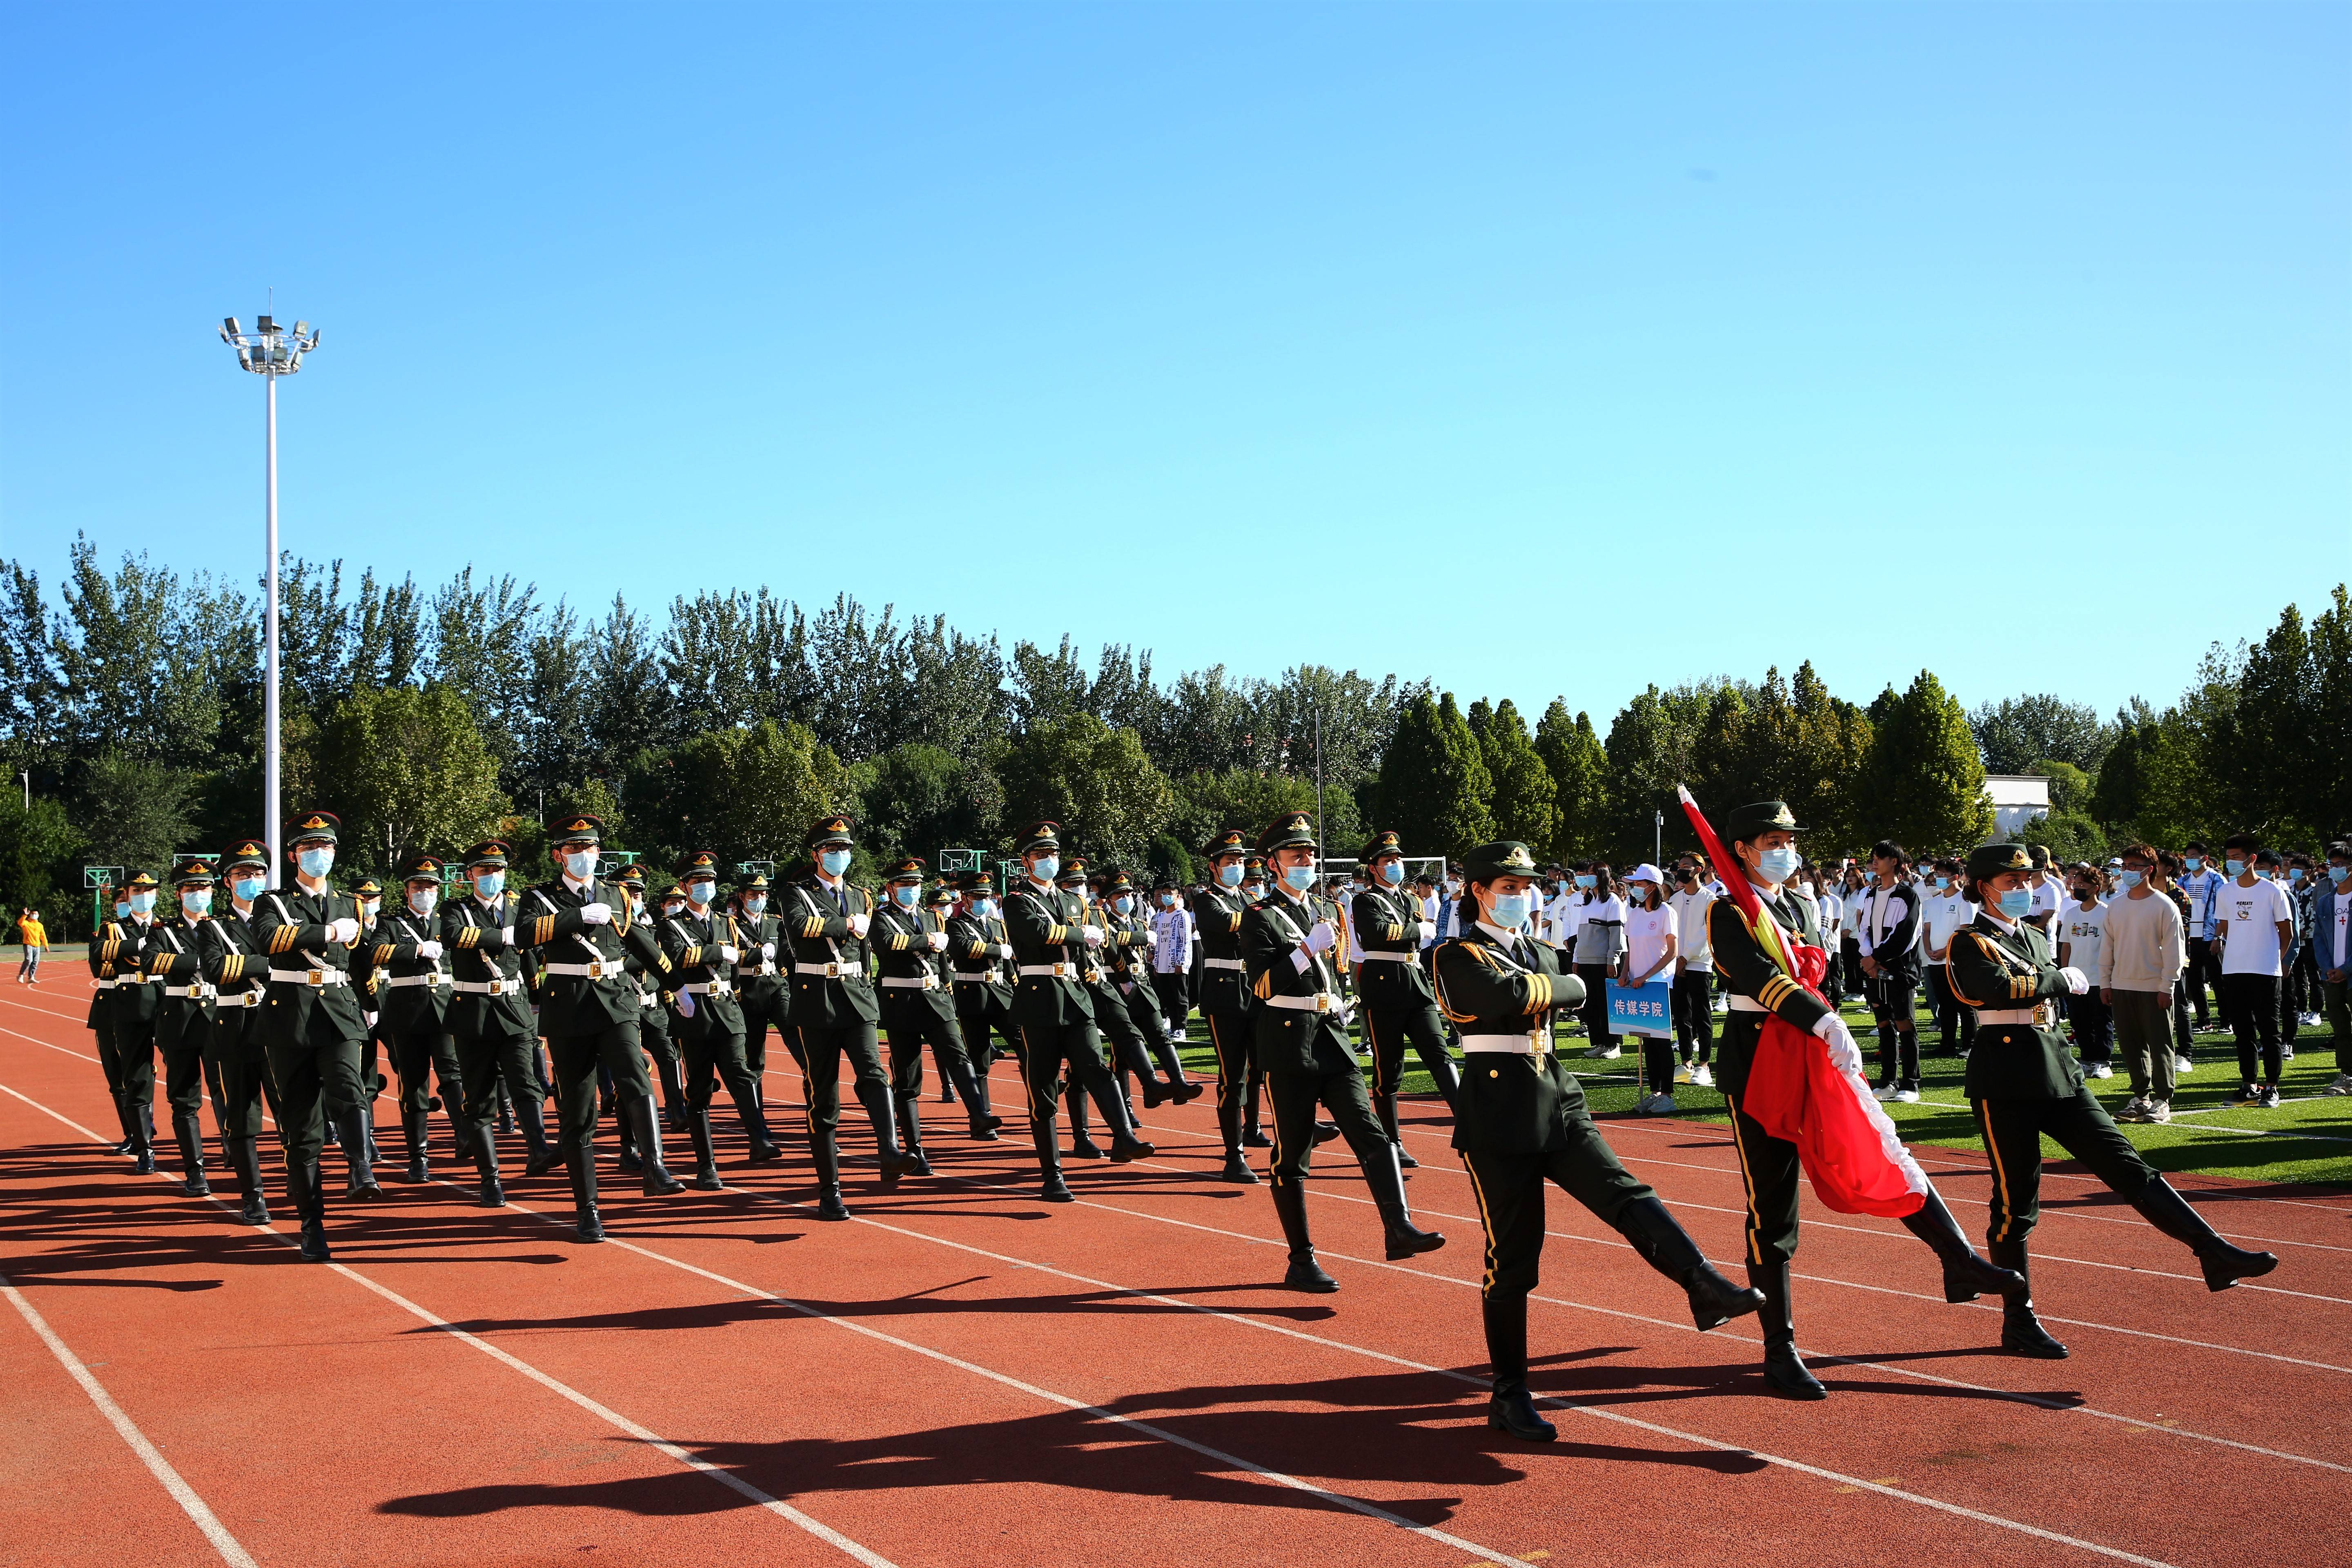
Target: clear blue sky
{"x": 1402, "y": 318}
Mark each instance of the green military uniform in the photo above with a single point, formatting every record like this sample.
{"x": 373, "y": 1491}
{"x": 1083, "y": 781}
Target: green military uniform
{"x": 311, "y": 1025}
{"x": 1521, "y": 1121}
{"x": 1217, "y": 913}
{"x": 1128, "y": 982}
{"x": 1052, "y": 950}
{"x": 489, "y": 1016}
{"x": 703, "y": 945}
{"x": 237, "y": 969}
{"x": 366, "y": 985}
{"x": 2026, "y": 1085}
{"x": 413, "y": 993}
{"x": 125, "y": 1025}
{"x": 760, "y": 981}
{"x": 1400, "y": 1008}
{"x": 980, "y": 957}
{"x": 1124, "y": 1050}
{"x": 174, "y": 954}
{"x": 654, "y": 990}
{"x": 1289, "y": 942}
{"x": 909, "y": 945}
{"x": 581, "y": 929}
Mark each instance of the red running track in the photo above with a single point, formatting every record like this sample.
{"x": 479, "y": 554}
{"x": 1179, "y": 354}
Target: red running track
{"x": 963, "y": 1374}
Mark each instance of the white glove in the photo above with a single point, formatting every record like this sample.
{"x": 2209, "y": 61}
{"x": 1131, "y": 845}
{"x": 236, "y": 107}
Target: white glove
{"x": 596, "y": 914}
{"x": 938, "y": 940}
{"x": 1844, "y": 1055}
{"x": 1093, "y": 935}
{"x": 346, "y": 931}
{"x": 685, "y": 1004}
{"x": 506, "y": 935}
{"x": 371, "y": 1018}
{"x": 429, "y": 948}
{"x": 857, "y": 924}
{"x": 1429, "y": 930}
{"x": 2076, "y": 981}
{"x": 1003, "y": 950}
{"x": 1320, "y": 939}
{"x": 767, "y": 950}
{"x": 726, "y": 951}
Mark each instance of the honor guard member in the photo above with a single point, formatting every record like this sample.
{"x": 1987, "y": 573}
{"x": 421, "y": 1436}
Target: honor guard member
{"x": 366, "y": 987}
{"x": 834, "y": 1009}
{"x": 489, "y": 1018}
{"x": 1521, "y": 1121}
{"x": 1112, "y": 1028}
{"x": 980, "y": 957}
{"x": 118, "y": 957}
{"x": 1763, "y": 841}
{"x": 1053, "y": 946}
{"x": 413, "y": 995}
{"x": 1400, "y": 1008}
{"x": 1288, "y": 941}
{"x": 2025, "y": 1085}
{"x": 910, "y": 944}
{"x": 702, "y": 945}
{"x": 760, "y": 988}
{"x": 237, "y": 969}
{"x": 653, "y": 996}
{"x": 1256, "y": 883}
{"x": 183, "y": 1016}
{"x": 103, "y": 970}
{"x": 1120, "y": 1018}
{"x": 1217, "y": 911}
{"x": 310, "y": 1025}
{"x": 582, "y": 929}
{"x": 1128, "y": 955}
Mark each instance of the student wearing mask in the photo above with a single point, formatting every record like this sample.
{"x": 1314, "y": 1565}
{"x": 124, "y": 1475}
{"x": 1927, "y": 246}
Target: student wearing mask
{"x": 2081, "y": 931}
{"x": 2299, "y": 997}
{"x": 2141, "y": 956}
{"x": 1889, "y": 933}
{"x": 1944, "y": 909}
{"x": 980, "y": 953}
{"x": 1829, "y": 904}
{"x": 1693, "y": 972}
{"x": 1651, "y": 947}
{"x": 910, "y": 942}
{"x": 2331, "y": 944}
{"x": 2174, "y": 868}
{"x": 2197, "y": 883}
{"x": 2253, "y": 927}
{"x": 2049, "y": 890}
{"x": 1599, "y": 955}
{"x": 414, "y": 1008}
{"x": 498, "y": 1042}
{"x": 1848, "y": 935}
{"x": 1171, "y": 957}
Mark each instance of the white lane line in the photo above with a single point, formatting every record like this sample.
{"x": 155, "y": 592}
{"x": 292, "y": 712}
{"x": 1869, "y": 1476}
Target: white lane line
{"x": 815, "y": 1527}
{"x": 157, "y": 1466}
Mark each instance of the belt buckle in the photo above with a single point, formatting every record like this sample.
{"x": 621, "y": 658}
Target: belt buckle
{"x": 1060, "y": 970}
{"x": 833, "y": 969}
{"x": 596, "y": 968}
{"x": 318, "y": 979}
{"x": 1322, "y": 1001}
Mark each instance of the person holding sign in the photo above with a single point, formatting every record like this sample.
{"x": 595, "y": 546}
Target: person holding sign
{"x": 1650, "y": 949}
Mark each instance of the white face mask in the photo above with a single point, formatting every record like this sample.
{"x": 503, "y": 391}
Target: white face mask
{"x": 424, "y": 899}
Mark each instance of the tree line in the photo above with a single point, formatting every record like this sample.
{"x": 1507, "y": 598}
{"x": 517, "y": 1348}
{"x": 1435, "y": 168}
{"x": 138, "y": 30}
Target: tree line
{"x": 428, "y": 717}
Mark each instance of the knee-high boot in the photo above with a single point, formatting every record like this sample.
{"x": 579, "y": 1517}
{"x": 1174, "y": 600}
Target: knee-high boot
{"x": 1510, "y": 1409}
{"x": 1304, "y": 1273}
{"x": 122, "y": 1120}
{"x": 637, "y": 1114}
{"x": 1966, "y": 1276}
{"x": 1784, "y": 1369}
{"x": 706, "y": 1161}
{"x": 411, "y": 1129}
{"x": 1052, "y": 1188}
{"x": 2021, "y": 1332}
{"x": 244, "y": 1159}
{"x": 876, "y": 1098}
{"x": 910, "y": 1134}
{"x": 2224, "y": 1264}
{"x": 1663, "y": 1243}
{"x": 1404, "y": 1238}
{"x": 630, "y": 1161}
{"x": 1448, "y": 1081}
{"x": 1253, "y": 1086}
{"x": 825, "y": 1154}
{"x": 972, "y": 1088}
{"x": 673, "y": 1089}
{"x": 1229, "y": 1128}
{"x": 360, "y": 1184}
{"x": 142, "y": 1137}
{"x": 542, "y": 1153}
{"x": 1124, "y": 1144}
{"x": 1384, "y": 1105}
{"x": 305, "y": 1184}
{"x": 581, "y": 1161}
{"x": 1082, "y": 1144}
{"x": 189, "y": 1133}
{"x": 1181, "y": 1089}
{"x": 755, "y": 1120}
{"x": 483, "y": 1145}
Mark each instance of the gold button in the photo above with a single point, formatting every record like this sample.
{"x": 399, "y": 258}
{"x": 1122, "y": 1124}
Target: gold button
{"x": 1493, "y": 1072}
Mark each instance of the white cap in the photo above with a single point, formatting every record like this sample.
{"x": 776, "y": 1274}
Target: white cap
{"x": 1646, "y": 872}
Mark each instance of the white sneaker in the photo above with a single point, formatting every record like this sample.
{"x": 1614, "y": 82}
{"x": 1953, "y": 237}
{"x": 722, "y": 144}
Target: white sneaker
{"x": 2286, "y": 1053}
{"x": 1883, "y": 1093}
{"x": 1701, "y": 1074}
{"x": 2182, "y": 1067}
{"x": 2307, "y": 1021}
{"x": 1659, "y": 1105}
{"x": 1906, "y": 1097}
{"x": 2101, "y": 1070}
{"x": 2133, "y": 1109}
{"x": 1604, "y": 1052}
{"x": 2342, "y": 1085}
{"x": 2158, "y": 1111}
{"x": 1720, "y": 1006}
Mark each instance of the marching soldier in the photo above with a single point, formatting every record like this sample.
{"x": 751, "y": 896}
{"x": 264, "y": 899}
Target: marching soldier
{"x": 1762, "y": 839}
{"x": 653, "y": 996}
{"x": 1122, "y": 1034}
{"x": 175, "y": 954}
{"x": 834, "y": 1009}
{"x": 980, "y": 955}
{"x": 1301, "y": 1029}
{"x": 581, "y": 929}
{"x": 237, "y": 969}
{"x": 1053, "y": 945}
{"x": 1400, "y": 1008}
{"x": 366, "y": 985}
{"x": 311, "y": 1025}
{"x": 702, "y": 945}
{"x": 413, "y": 994}
{"x": 761, "y": 991}
{"x": 910, "y": 942}
{"x": 1128, "y": 950}
{"x": 489, "y": 1018}
{"x": 1217, "y": 911}
{"x": 101, "y": 1018}
{"x": 127, "y": 1041}
{"x": 2026, "y": 1085}
{"x": 1521, "y": 1121}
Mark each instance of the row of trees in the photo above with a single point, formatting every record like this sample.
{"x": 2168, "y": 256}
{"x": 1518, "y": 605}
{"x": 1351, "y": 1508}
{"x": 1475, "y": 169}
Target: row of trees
{"x": 428, "y": 718}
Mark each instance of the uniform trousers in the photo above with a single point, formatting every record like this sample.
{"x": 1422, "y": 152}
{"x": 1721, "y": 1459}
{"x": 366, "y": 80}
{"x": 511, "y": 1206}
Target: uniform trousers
{"x": 822, "y": 1048}
{"x": 183, "y": 1070}
{"x": 1509, "y": 1189}
{"x": 757, "y": 1021}
{"x": 908, "y": 1029}
{"x": 1769, "y": 1171}
{"x": 234, "y": 1047}
{"x": 508, "y": 1058}
{"x": 1389, "y": 1029}
{"x": 1297, "y": 1096}
{"x": 2013, "y": 1130}
{"x": 654, "y": 1035}
{"x": 1230, "y": 1037}
{"x": 1952, "y": 1018}
{"x": 615, "y": 1048}
{"x": 422, "y": 1049}
{"x": 713, "y": 1057}
{"x": 316, "y": 1079}
{"x": 130, "y": 1046}
{"x": 1045, "y": 1051}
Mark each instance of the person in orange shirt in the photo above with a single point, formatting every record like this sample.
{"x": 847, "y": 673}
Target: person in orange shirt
{"x": 35, "y": 939}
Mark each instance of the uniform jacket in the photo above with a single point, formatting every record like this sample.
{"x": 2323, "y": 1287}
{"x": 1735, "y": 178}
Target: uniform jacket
{"x": 1290, "y": 1038}
{"x": 1389, "y": 921}
{"x": 173, "y": 953}
{"x": 761, "y": 976}
{"x": 476, "y": 936}
{"x": 1046, "y": 927}
{"x": 119, "y": 954}
{"x": 979, "y": 955}
{"x": 1128, "y": 951}
{"x": 842, "y": 997}
{"x": 550, "y": 928}
{"x": 1997, "y": 970}
{"x": 901, "y": 940}
{"x": 691, "y": 943}
{"x": 1748, "y": 969}
{"x": 237, "y": 969}
{"x": 1490, "y": 983}
{"x": 290, "y": 926}
{"x": 397, "y": 936}
{"x": 367, "y": 982}
{"x": 1217, "y": 915}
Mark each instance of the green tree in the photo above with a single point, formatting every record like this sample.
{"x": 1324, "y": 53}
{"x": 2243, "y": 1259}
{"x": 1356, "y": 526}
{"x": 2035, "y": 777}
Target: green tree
{"x": 2018, "y": 732}
{"x": 920, "y": 799}
{"x": 1652, "y": 748}
{"x": 1095, "y": 780}
{"x": 1573, "y": 755}
{"x": 1526, "y": 801}
{"x": 1434, "y": 789}
{"x": 1924, "y": 777}
{"x": 134, "y": 814}
{"x": 37, "y": 860}
{"x": 2322, "y": 767}
{"x": 410, "y": 773}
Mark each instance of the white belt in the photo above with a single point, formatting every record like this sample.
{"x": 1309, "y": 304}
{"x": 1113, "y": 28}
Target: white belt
{"x": 765, "y": 966}
{"x": 318, "y": 979}
{"x": 710, "y": 988}
{"x": 1747, "y": 1004}
{"x": 499, "y": 987}
{"x": 834, "y": 970}
{"x": 433, "y": 977}
{"x": 2031, "y": 1016}
{"x": 198, "y": 990}
{"x": 1321, "y": 1002}
{"x": 241, "y": 998}
{"x": 1391, "y": 957}
{"x": 977, "y": 976}
{"x": 602, "y": 969}
{"x": 1223, "y": 963}
{"x": 1050, "y": 970}
{"x": 122, "y": 980}
{"x": 1525, "y": 1044}
{"x": 911, "y": 983}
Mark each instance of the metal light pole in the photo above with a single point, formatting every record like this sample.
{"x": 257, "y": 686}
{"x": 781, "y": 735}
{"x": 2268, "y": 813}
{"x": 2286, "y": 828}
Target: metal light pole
{"x": 1658, "y": 840}
{"x": 270, "y": 352}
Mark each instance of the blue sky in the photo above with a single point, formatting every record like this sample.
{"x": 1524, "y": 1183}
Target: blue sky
{"x": 1502, "y": 344}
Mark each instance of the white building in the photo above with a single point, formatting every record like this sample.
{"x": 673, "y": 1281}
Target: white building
{"x": 2017, "y": 799}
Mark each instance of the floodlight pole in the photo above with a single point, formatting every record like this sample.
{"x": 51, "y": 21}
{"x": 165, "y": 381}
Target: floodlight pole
{"x": 273, "y": 816}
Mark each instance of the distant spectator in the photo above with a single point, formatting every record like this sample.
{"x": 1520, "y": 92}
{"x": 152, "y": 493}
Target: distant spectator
{"x": 2142, "y": 952}
{"x": 36, "y": 938}
{"x": 2254, "y": 924}
{"x": 2331, "y": 938}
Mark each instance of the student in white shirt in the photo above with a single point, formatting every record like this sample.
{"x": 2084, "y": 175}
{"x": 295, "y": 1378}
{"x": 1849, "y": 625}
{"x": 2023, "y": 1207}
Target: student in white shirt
{"x": 2199, "y": 882}
{"x": 2331, "y": 942}
{"x": 1832, "y": 905}
{"x": 2081, "y": 929}
{"x": 1649, "y": 947}
{"x": 2049, "y": 890}
{"x": 1694, "y": 973}
{"x": 1943, "y": 911}
{"x": 1171, "y": 957}
{"x": 2253, "y": 926}
{"x": 1599, "y": 954}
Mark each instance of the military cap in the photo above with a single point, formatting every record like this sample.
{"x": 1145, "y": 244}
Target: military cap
{"x": 833, "y": 828}
{"x": 1115, "y": 882}
{"x": 975, "y": 881}
{"x": 140, "y": 882}
{"x": 1989, "y": 860}
{"x": 942, "y": 894}
{"x": 702, "y": 862}
{"x": 489, "y": 852}
{"x": 1038, "y": 835}
{"x": 1384, "y": 842}
{"x": 672, "y": 891}
{"x": 632, "y": 876}
{"x": 1073, "y": 871}
{"x": 1755, "y": 820}
{"x": 578, "y": 828}
{"x": 311, "y": 825}
{"x": 245, "y": 852}
{"x": 905, "y": 868}
{"x": 420, "y": 868}
{"x": 1231, "y": 841}
{"x": 1504, "y": 858}
{"x": 194, "y": 872}
{"x": 751, "y": 882}
{"x": 1291, "y": 830}
{"x": 368, "y": 885}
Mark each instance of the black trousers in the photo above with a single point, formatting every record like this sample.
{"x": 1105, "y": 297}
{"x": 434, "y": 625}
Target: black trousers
{"x": 1231, "y": 1038}
{"x": 981, "y": 1026}
{"x": 1175, "y": 996}
{"x": 1596, "y": 1003}
{"x": 822, "y": 1048}
{"x": 2095, "y": 1031}
{"x": 2250, "y": 1003}
{"x": 132, "y": 1045}
{"x": 1693, "y": 1012}
{"x": 1388, "y": 1030}
{"x": 616, "y": 1050}
{"x": 2203, "y": 964}
{"x": 1769, "y": 1170}
{"x": 757, "y": 1021}
{"x": 234, "y": 1052}
{"x": 713, "y": 1057}
{"x": 910, "y": 1028}
{"x": 2013, "y": 1130}
{"x": 1952, "y": 1019}
{"x": 314, "y": 1082}
{"x": 422, "y": 1050}
{"x": 487, "y": 1061}
{"x": 1510, "y": 1193}
{"x": 184, "y": 1073}
{"x": 1297, "y": 1097}
{"x": 1043, "y": 1053}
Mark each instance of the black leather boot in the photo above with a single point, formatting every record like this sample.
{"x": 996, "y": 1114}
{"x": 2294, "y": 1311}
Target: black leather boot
{"x": 1966, "y": 1276}
{"x": 876, "y": 1098}
{"x": 1510, "y": 1409}
{"x": 540, "y": 1153}
{"x": 638, "y": 1114}
{"x": 910, "y": 1135}
{"x": 1784, "y": 1370}
{"x": 673, "y": 1089}
{"x": 982, "y": 1122}
{"x": 1385, "y": 1106}
{"x": 586, "y": 1223}
{"x": 1052, "y": 1188}
{"x": 122, "y": 1120}
{"x": 1238, "y": 1170}
{"x": 1404, "y": 1238}
{"x": 1124, "y": 1144}
{"x": 306, "y": 1184}
{"x": 754, "y": 1116}
{"x": 2224, "y": 1265}
{"x": 706, "y": 1161}
{"x": 1304, "y": 1273}
{"x": 2021, "y": 1332}
{"x": 244, "y": 1159}
{"x": 631, "y": 1161}
{"x": 483, "y": 1144}
{"x": 413, "y": 1131}
{"x": 824, "y": 1152}
{"x": 1082, "y": 1144}
{"x": 1253, "y": 1084}
{"x": 361, "y": 1182}
{"x": 189, "y": 1133}
{"x": 1667, "y": 1247}
{"x": 142, "y": 1139}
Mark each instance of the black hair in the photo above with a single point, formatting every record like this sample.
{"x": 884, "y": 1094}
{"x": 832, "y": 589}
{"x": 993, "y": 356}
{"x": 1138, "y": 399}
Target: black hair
{"x": 2240, "y": 841}
{"x": 1888, "y": 849}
